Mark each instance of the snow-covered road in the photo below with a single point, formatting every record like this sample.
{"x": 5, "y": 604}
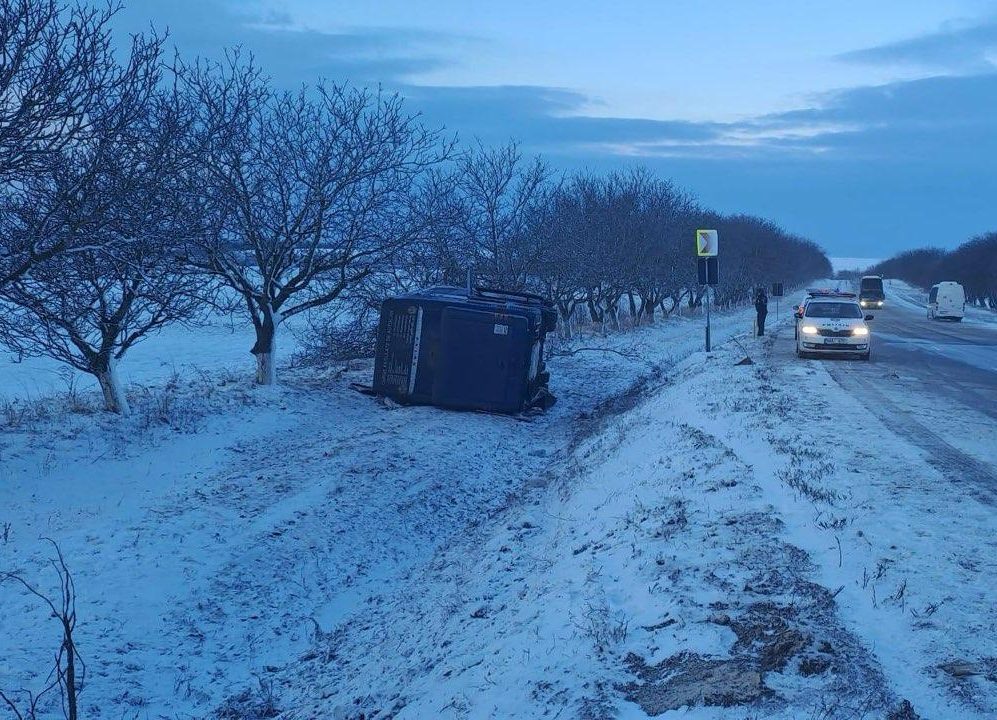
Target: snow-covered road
{"x": 935, "y": 384}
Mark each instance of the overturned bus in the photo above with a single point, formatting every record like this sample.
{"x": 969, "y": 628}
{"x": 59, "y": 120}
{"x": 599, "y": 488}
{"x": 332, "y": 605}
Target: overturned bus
{"x": 478, "y": 349}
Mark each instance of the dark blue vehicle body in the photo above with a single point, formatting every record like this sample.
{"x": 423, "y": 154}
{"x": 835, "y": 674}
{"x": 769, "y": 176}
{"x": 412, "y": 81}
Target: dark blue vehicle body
{"x": 478, "y": 350}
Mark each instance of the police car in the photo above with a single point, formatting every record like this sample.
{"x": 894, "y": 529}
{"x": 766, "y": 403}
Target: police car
{"x": 813, "y": 293}
{"x": 832, "y": 322}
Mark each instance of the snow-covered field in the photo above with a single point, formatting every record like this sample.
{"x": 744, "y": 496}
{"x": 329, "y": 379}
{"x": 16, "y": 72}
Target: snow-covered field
{"x": 676, "y": 537}
{"x": 839, "y": 264}
{"x": 223, "y": 342}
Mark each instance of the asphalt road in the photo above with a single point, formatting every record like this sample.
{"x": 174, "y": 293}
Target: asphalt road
{"x": 955, "y": 360}
{"x": 923, "y": 370}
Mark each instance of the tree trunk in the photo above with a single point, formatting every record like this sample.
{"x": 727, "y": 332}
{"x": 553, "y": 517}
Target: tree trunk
{"x": 70, "y": 649}
{"x": 565, "y": 311}
{"x": 594, "y": 312}
{"x": 613, "y": 310}
{"x": 114, "y": 395}
{"x": 265, "y": 350}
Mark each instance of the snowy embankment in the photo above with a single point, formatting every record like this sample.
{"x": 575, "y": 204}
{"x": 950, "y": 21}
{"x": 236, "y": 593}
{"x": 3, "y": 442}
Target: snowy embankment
{"x": 747, "y": 536}
{"x": 213, "y": 532}
{"x": 676, "y": 531}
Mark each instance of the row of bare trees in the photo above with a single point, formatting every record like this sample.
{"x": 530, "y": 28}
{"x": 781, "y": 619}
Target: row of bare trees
{"x": 138, "y": 192}
{"x": 622, "y": 244}
{"x": 973, "y": 264}
{"x": 606, "y": 249}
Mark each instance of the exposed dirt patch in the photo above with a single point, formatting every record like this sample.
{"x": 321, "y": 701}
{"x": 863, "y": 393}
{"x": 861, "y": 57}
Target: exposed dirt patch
{"x": 903, "y": 711}
{"x": 768, "y": 638}
{"x": 766, "y": 634}
{"x": 782, "y": 623}
{"x": 688, "y": 679}
{"x": 814, "y": 665}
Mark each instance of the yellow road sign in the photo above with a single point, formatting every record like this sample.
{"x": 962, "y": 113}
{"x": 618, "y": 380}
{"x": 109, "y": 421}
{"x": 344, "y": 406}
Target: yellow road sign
{"x": 707, "y": 243}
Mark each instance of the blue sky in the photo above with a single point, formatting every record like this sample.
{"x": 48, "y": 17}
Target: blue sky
{"x": 869, "y": 127}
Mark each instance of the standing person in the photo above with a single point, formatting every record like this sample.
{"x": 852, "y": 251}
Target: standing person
{"x": 761, "y": 309}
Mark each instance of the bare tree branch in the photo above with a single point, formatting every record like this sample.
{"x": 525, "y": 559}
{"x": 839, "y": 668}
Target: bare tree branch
{"x": 69, "y": 671}
{"x": 61, "y": 86}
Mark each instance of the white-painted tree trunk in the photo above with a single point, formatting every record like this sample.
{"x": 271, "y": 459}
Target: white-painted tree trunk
{"x": 114, "y": 394}
{"x": 266, "y": 367}
{"x": 266, "y": 361}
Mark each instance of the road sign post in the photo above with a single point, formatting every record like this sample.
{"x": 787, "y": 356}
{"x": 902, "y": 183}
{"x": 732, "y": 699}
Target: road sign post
{"x": 707, "y": 249}
{"x": 707, "y": 318}
{"x": 708, "y": 270}
{"x": 777, "y": 294}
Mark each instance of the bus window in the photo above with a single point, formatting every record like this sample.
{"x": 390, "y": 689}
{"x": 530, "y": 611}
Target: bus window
{"x": 872, "y": 284}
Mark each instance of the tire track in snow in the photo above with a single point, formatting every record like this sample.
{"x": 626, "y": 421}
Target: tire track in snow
{"x": 979, "y": 477}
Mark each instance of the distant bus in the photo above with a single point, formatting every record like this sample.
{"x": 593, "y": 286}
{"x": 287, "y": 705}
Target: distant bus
{"x": 871, "y": 291}
{"x": 947, "y": 300}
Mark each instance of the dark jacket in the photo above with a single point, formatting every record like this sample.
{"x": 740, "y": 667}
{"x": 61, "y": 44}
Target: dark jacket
{"x": 761, "y": 303}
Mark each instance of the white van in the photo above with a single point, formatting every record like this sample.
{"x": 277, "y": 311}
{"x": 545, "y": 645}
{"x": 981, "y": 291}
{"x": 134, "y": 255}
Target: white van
{"x": 947, "y": 300}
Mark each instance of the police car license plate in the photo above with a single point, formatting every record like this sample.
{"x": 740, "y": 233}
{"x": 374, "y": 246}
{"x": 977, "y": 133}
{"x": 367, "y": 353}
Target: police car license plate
{"x": 835, "y": 341}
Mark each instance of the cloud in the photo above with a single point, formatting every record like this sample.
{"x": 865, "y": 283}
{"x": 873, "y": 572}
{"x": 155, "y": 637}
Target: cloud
{"x": 292, "y": 53}
{"x": 956, "y": 48}
{"x": 938, "y": 120}
{"x": 556, "y": 120}
{"x": 360, "y": 55}
{"x": 545, "y": 118}
{"x": 944, "y": 119}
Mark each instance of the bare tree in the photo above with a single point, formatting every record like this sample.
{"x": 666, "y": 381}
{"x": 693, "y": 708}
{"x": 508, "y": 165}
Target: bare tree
{"x": 974, "y": 265}
{"x": 444, "y": 254}
{"x": 58, "y": 80}
{"x": 561, "y": 229}
{"x": 501, "y": 191}
{"x": 90, "y": 307}
{"x": 309, "y": 193}
{"x": 920, "y": 267}
{"x": 68, "y": 673}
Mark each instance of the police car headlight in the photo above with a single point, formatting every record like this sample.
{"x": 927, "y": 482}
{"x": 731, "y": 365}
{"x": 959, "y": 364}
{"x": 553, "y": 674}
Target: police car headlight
{"x": 860, "y": 331}
{"x": 863, "y": 303}
{"x": 809, "y": 330}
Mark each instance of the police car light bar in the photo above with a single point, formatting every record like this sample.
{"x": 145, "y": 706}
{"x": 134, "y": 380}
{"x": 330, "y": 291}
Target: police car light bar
{"x": 820, "y": 292}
